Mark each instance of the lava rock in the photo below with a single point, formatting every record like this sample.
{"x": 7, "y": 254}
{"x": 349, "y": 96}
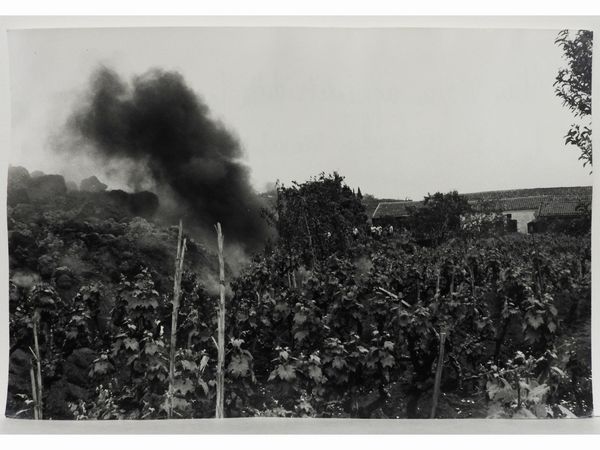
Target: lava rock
{"x": 72, "y": 186}
{"x": 63, "y": 277}
{"x": 92, "y": 184}
{"x": 46, "y": 266}
{"x": 46, "y": 187}
{"x": 16, "y": 197}
{"x": 144, "y": 204}
{"x": 18, "y": 178}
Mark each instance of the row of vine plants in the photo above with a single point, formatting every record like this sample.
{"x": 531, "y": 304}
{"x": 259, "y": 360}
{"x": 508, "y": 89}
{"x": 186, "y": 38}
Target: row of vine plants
{"x": 353, "y": 334}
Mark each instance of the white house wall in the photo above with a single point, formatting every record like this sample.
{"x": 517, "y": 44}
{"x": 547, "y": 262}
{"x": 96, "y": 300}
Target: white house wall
{"x": 522, "y": 218}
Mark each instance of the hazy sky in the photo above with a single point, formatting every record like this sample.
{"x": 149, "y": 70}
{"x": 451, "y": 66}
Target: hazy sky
{"x": 398, "y": 112}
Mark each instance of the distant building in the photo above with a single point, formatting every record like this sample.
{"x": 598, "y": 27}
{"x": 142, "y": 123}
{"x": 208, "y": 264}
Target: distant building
{"x": 522, "y": 212}
{"x": 393, "y": 213}
{"x": 531, "y": 211}
{"x": 558, "y": 212}
{"x": 519, "y": 211}
{"x": 561, "y": 209}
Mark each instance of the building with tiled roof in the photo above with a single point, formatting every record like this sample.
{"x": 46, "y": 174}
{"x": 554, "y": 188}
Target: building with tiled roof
{"x": 520, "y": 211}
{"x": 393, "y": 213}
{"x": 557, "y": 192}
{"x": 561, "y": 208}
{"x": 510, "y": 204}
{"x": 395, "y": 209}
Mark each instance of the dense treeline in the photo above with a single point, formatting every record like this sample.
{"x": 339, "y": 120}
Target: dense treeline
{"x": 330, "y": 320}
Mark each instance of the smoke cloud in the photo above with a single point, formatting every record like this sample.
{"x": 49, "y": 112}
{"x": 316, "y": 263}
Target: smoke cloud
{"x": 163, "y": 135}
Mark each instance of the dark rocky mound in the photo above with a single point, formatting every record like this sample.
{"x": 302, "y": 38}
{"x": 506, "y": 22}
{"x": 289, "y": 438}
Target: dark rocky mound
{"x": 36, "y": 193}
{"x": 143, "y": 204}
{"x": 18, "y": 178}
{"x": 72, "y": 186}
{"x": 46, "y": 187}
{"x": 92, "y": 184}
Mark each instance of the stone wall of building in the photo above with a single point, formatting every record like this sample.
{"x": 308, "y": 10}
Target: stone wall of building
{"x": 523, "y": 218}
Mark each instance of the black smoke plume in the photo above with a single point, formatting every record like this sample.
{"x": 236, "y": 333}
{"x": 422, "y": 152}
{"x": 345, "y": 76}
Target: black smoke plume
{"x": 158, "y": 127}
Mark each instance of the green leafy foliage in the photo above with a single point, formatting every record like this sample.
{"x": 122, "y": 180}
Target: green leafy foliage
{"x": 573, "y": 85}
{"x": 439, "y": 217}
{"x": 523, "y": 388}
{"x": 317, "y": 218}
{"x": 350, "y": 340}
{"x": 327, "y": 321}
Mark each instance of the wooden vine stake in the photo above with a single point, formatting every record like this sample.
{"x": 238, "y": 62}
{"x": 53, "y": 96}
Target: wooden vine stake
{"x": 438, "y": 375}
{"x": 36, "y": 382}
{"x": 36, "y": 414}
{"x": 219, "y": 411}
{"x": 181, "y": 245}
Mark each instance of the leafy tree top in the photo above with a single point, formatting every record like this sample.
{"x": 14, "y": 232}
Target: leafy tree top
{"x": 438, "y": 217}
{"x": 573, "y": 85}
{"x": 318, "y": 217}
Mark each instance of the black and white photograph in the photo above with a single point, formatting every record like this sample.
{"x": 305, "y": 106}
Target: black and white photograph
{"x": 299, "y": 222}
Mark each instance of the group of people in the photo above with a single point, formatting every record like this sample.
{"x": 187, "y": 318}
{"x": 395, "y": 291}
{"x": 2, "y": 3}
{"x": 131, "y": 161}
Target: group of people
{"x": 379, "y": 230}
{"x": 375, "y": 231}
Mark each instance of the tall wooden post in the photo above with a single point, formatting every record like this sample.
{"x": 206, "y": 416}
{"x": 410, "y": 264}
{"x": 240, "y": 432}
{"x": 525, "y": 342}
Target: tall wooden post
{"x": 36, "y": 414}
{"x": 438, "y": 375}
{"x": 308, "y": 234}
{"x": 39, "y": 402}
{"x": 219, "y": 412}
{"x": 181, "y": 244}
